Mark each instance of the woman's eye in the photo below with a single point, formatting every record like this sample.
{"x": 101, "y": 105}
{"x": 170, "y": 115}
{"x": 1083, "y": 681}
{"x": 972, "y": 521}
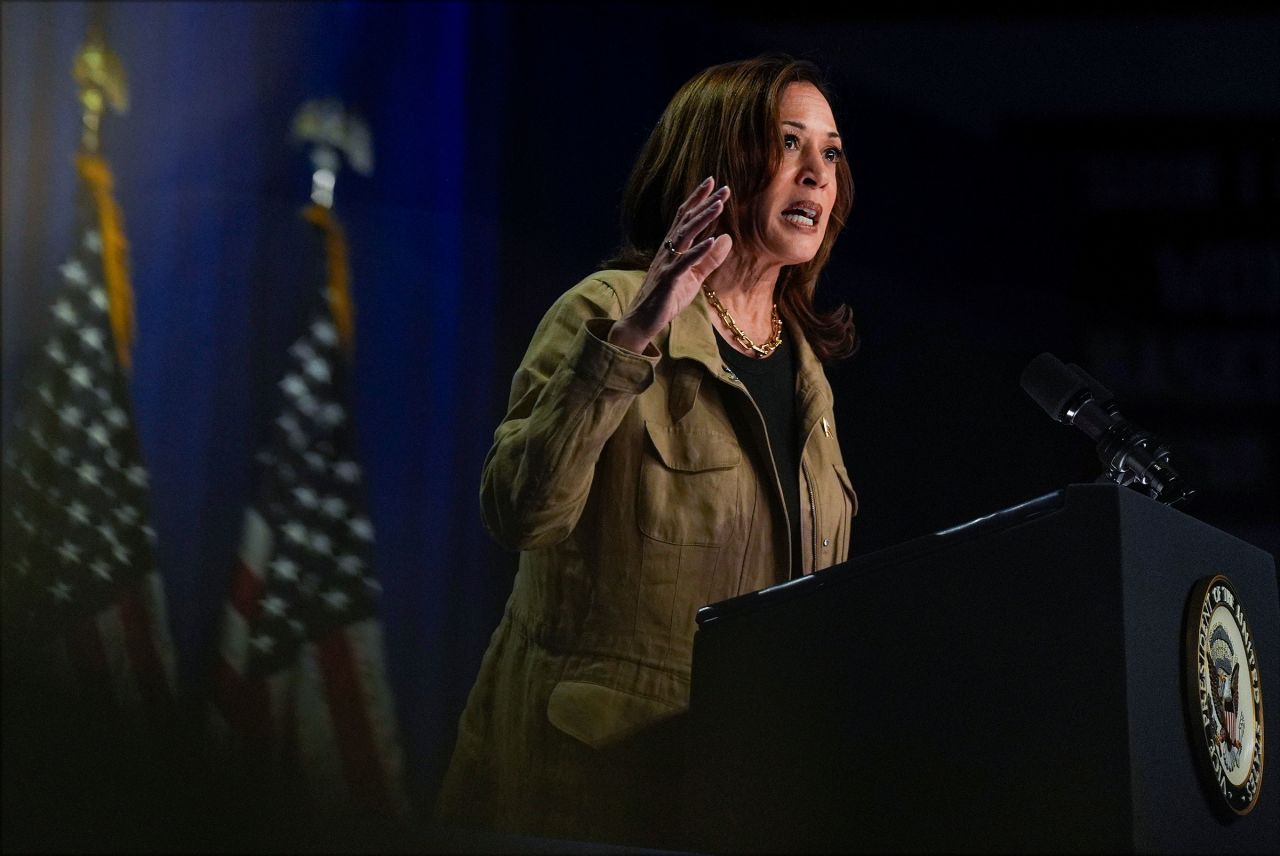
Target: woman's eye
{"x": 834, "y": 154}
{"x": 790, "y": 141}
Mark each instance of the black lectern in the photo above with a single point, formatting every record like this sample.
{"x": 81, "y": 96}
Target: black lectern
{"x": 1015, "y": 684}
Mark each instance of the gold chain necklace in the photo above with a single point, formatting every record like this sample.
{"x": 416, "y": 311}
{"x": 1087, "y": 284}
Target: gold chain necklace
{"x": 762, "y": 350}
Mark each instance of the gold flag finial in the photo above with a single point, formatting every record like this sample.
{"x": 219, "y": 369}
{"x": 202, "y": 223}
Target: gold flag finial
{"x": 329, "y": 129}
{"x": 100, "y": 74}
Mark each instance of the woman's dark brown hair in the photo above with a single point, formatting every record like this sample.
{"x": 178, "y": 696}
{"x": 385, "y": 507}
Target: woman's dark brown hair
{"x": 724, "y": 122}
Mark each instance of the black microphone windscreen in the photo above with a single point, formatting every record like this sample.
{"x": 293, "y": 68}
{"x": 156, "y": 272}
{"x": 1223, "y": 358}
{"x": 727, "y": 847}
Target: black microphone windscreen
{"x": 1051, "y": 384}
{"x": 1101, "y": 394}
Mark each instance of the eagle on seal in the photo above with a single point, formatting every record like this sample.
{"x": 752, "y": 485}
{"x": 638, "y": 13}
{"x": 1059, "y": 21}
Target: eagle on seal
{"x": 1225, "y": 688}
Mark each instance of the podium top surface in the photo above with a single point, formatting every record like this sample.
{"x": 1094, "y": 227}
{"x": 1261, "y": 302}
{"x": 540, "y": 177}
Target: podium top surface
{"x": 1114, "y": 496}
{"x": 916, "y": 547}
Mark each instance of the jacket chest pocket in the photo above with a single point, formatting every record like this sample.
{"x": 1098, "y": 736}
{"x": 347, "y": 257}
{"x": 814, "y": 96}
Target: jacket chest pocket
{"x": 688, "y": 489}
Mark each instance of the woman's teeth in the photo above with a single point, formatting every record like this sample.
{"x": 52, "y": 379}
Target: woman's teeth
{"x": 799, "y": 219}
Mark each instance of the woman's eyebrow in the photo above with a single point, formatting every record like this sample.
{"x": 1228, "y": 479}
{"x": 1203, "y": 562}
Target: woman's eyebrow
{"x": 801, "y": 125}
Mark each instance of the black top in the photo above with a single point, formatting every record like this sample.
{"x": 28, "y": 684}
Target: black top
{"x": 771, "y": 383}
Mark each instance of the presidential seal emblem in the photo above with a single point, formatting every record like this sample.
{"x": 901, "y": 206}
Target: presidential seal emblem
{"x": 1225, "y": 693}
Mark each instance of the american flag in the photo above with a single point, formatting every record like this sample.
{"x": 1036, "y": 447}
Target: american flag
{"x": 301, "y": 695}
{"x": 84, "y": 607}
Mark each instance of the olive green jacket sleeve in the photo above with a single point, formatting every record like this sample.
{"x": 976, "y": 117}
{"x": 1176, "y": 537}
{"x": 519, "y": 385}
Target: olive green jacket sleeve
{"x": 570, "y": 392}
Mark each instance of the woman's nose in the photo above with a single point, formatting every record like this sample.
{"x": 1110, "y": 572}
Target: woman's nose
{"x": 811, "y": 169}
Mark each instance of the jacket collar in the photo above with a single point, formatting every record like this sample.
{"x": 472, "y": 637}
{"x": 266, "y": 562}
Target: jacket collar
{"x": 693, "y": 338}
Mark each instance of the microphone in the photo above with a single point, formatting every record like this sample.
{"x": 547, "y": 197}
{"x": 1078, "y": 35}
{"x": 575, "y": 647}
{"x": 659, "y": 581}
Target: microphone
{"x": 1131, "y": 454}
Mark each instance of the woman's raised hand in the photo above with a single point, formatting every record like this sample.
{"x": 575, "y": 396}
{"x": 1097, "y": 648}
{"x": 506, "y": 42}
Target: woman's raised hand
{"x": 678, "y": 269}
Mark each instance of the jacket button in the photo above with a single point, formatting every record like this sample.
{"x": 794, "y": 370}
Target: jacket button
{"x": 826, "y": 542}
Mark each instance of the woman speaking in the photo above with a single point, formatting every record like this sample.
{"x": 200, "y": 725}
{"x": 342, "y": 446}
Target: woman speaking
{"x": 669, "y": 443}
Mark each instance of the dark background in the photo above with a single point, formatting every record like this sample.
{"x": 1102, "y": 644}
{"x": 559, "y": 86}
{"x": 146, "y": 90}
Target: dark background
{"x": 1095, "y": 181}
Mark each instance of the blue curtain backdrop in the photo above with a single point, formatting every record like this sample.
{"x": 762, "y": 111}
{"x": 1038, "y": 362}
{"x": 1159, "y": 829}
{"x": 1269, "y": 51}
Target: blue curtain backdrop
{"x": 210, "y": 188}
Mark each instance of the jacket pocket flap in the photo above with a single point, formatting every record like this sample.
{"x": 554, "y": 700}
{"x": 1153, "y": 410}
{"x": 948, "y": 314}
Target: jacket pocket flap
{"x": 600, "y": 716}
{"x": 693, "y": 450}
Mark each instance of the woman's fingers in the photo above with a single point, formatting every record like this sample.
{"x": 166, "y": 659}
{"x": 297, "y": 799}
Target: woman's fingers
{"x": 703, "y": 258}
{"x": 721, "y": 246}
{"x": 699, "y": 193}
{"x": 696, "y": 213}
{"x": 698, "y": 220}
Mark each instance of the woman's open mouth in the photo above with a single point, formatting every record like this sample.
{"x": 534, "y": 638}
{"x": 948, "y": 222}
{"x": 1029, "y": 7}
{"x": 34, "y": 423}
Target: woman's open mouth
{"x": 804, "y": 214}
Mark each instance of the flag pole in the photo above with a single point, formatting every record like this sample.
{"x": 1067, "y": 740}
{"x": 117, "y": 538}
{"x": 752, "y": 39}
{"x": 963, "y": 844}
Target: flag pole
{"x": 100, "y": 75}
{"x": 330, "y": 130}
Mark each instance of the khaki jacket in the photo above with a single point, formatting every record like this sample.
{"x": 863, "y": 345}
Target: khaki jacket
{"x": 634, "y": 501}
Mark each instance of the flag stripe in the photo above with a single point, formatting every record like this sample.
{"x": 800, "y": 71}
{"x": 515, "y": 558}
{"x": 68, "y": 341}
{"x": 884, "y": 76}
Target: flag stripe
{"x": 246, "y": 706}
{"x": 157, "y": 615}
{"x": 256, "y": 542}
{"x": 365, "y": 638}
{"x": 234, "y": 644}
{"x": 288, "y": 706}
{"x": 84, "y": 646}
{"x": 316, "y": 744}
{"x": 148, "y": 671}
{"x": 246, "y": 591}
{"x": 364, "y": 772}
{"x": 111, "y": 635}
